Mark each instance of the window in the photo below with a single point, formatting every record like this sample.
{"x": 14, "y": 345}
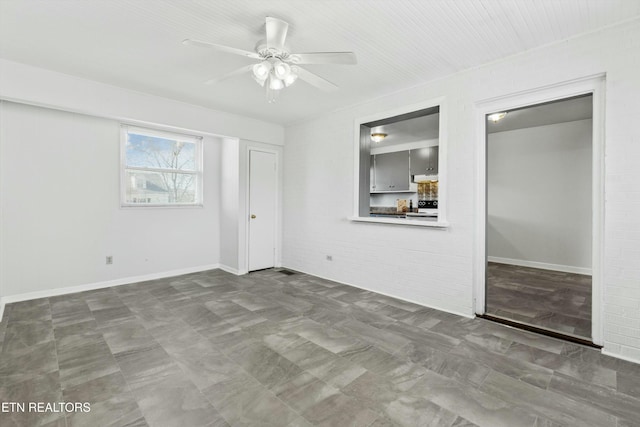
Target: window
{"x": 160, "y": 168}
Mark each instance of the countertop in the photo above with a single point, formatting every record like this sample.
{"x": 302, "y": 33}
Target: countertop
{"x": 388, "y": 211}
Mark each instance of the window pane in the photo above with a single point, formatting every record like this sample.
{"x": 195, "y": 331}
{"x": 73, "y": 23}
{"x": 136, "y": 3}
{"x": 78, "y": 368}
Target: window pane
{"x": 154, "y": 152}
{"x": 160, "y": 188}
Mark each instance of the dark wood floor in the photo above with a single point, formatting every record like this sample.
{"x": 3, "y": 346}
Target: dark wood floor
{"x": 553, "y": 300}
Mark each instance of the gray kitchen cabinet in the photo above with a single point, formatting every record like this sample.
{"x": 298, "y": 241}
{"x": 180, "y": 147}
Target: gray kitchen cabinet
{"x": 424, "y": 161}
{"x": 392, "y": 171}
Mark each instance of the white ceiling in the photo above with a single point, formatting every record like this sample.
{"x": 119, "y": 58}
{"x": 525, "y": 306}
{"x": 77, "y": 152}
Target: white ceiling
{"x": 423, "y": 128}
{"x": 566, "y": 110}
{"x": 426, "y": 128}
{"x": 399, "y": 44}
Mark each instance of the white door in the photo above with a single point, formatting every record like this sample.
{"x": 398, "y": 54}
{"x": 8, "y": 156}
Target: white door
{"x": 262, "y": 209}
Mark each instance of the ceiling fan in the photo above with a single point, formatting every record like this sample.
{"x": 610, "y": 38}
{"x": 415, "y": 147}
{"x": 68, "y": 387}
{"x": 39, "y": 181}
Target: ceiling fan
{"x": 278, "y": 68}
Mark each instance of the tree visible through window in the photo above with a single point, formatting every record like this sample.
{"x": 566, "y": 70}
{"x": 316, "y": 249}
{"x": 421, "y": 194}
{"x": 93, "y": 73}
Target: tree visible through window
{"x": 161, "y": 168}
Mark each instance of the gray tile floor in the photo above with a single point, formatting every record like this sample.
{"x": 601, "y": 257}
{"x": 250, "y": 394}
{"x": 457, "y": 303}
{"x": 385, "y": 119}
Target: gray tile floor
{"x": 271, "y": 349}
{"x": 551, "y": 300}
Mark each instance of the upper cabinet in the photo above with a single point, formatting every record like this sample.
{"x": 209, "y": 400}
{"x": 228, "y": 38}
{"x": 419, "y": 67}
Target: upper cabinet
{"x": 391, "y": 172}
{"x": 424, "y": 161}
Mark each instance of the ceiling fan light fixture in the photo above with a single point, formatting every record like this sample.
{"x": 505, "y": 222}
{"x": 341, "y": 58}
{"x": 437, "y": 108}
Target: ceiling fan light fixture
{"x": 260, "y": 81}
{"x": 378, "y": 137}
{"x": 281, "y": 70}
{"x": 291, "y": 77}
{"x": 275, "y": 83}
{"x": 261, "y": 70}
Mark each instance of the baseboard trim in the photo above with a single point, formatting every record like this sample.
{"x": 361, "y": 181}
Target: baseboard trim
{"x": 620, "y": 356}
{"x": 100, "y": 285}
{"x": 230, "y": 269}
{"x": 468, "y": 316}
{"x": 541, "y": 265}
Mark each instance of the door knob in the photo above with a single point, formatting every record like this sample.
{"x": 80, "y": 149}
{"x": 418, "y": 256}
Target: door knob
{"x": 253, "y": 216}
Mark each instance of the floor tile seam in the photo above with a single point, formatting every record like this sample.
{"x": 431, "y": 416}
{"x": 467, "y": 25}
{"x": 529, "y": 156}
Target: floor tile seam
{"x": 195, "y": 386}
{"x": 111, "y": 357}
{"x": 149, "y": 296}
{"x": 266, "y": 387}
{"x": 582, "y": 380}
{"x": 130, "y": 390}
{"x": 553, "y": 394}
{"x": 534, "y": 307}
{"x": 395, "y": 353}
{"x": 427, "y": 336}
{"x": 612, "y": 391}
{"x": 636, "y": 397}
{"x": 572, "y": 317}
{"x": 491, "y": 369}
{"x": 389, "y": 387}
{"x": 55, "y": 344}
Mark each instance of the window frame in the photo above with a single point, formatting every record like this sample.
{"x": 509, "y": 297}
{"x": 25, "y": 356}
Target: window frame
{"x": 441, "y": 221}
{"x": 125, "y": 129}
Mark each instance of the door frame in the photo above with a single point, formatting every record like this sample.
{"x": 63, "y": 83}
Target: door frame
{"x": 247, "y": 214}
{"x": 595, "y": 85}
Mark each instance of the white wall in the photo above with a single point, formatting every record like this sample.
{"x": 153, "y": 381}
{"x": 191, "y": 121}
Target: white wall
{"x": 435, "y": 267}
{"x": 539, "y": 195}
{"x": 230, "y": 204}
{"x": 37, "y": 86}
{"x": 97, "y": 227}
{"x": 61, "y": 212}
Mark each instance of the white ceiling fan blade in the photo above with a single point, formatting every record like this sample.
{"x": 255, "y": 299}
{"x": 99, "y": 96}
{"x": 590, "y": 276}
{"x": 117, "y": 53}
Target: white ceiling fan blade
{"x": 239, "y": 71}
{"x": 315, "y": 80}
{"x": 221, "y": 48}
{"x": 324, "y": 58}
{"x": 276, "y": 33}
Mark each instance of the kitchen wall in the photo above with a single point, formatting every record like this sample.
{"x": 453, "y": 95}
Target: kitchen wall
{"x": 539, "y": 196}
{"x": 433, "y": 266}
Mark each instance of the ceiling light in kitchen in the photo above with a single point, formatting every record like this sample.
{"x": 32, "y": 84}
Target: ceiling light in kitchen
{"x": 378, "y": 136}
{"x": 496, "y": 117}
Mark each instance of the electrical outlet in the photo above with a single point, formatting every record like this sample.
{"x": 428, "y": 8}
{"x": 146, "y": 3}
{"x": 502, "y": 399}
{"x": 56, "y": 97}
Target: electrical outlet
{"x": 329, "y": 257}
{"x": 109, "y": 259}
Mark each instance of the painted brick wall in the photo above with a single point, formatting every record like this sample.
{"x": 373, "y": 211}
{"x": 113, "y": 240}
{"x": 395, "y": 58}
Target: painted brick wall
{"x": 434, "y": 267}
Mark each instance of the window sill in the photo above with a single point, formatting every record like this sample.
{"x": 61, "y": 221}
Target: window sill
{"x": 433, "y": 223}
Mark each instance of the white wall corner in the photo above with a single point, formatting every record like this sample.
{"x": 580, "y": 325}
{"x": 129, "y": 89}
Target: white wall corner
{"x": 231, "y": 270}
